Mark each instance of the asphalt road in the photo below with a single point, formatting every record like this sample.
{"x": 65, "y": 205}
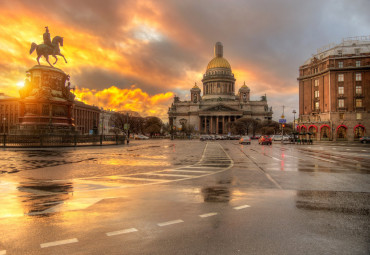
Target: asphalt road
{"x": 186, "y": 197}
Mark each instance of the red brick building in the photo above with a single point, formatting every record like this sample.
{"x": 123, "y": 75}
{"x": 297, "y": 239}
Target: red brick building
{"x": 334, "y": 91}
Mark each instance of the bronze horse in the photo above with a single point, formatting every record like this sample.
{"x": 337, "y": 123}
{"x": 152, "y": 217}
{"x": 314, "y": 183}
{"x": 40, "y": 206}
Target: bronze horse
{"x": 46, "y": 50}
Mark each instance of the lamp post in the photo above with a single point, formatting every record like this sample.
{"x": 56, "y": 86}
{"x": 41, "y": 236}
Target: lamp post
{"x": 294, "y": 129}
{"x": 4, "y": 119}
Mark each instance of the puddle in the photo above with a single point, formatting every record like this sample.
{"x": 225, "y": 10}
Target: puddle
{"x": 334, "y": 201}
{"x": 216, "y": 194}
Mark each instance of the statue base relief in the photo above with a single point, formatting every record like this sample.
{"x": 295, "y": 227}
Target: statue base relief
{"x": 46, "y": 102}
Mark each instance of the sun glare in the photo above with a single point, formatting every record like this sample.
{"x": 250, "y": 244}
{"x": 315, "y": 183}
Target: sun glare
{"x": 20, "y": 84}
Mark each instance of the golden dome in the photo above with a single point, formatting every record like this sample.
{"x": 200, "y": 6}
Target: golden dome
{"x": 218, "y": 62}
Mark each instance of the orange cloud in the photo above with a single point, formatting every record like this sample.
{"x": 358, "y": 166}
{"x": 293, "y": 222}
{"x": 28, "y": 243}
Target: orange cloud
{"x": 133, "y": 99}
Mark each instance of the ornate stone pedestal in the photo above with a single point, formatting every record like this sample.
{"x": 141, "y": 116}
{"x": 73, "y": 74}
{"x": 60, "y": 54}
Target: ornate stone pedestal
{"x": 46, "y": 102}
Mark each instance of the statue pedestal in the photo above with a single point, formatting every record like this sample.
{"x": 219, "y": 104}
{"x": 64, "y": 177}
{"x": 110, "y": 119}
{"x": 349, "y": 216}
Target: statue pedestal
{"x": 46, "y": 102}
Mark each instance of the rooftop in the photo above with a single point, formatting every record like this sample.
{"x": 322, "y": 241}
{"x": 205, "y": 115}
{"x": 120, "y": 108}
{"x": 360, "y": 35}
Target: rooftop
{"x": 349, "y": 45}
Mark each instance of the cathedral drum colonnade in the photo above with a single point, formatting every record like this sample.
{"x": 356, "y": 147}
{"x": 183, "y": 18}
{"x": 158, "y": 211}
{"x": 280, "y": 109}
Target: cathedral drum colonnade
{"x": 219, "y": 106}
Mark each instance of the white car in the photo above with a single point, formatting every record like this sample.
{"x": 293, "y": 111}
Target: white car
{"x": 277, "y": 137}
{"x": 141, "y": 137}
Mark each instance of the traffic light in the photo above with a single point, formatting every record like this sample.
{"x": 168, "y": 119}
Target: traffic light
{"x": 283, "y": 125}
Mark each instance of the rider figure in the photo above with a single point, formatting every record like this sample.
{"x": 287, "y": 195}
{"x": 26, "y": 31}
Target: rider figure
{"x": 46, "y": 37}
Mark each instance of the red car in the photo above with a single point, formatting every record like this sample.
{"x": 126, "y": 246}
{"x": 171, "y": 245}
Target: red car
{"x": 265, "y": 139}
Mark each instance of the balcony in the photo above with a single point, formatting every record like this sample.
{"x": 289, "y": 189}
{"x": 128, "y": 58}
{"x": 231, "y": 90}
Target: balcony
{"x": 341, "y": 96}
{"x": 359, "y": 95}
{"x": 342, "y": 109}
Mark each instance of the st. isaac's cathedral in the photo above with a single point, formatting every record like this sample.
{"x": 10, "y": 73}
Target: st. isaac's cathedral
{"x": 218, "y": 107}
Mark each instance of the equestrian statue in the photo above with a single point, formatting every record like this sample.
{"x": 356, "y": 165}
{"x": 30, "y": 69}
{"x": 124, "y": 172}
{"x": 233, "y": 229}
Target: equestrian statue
{"x": 48, "y": 47}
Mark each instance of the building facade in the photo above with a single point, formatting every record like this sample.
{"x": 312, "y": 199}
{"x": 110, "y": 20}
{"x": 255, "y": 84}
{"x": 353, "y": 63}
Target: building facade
{"x": 86, "y": 118}
{"x": 105, "y": 122}
{"x": 219, "y": 106}
{"x": 9, "y": 113}
{"x": 334, "y": 91}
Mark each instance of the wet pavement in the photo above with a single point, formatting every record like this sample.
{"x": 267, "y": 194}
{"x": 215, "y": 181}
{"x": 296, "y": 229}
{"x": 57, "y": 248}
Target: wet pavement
{"x": 186, "y": 197}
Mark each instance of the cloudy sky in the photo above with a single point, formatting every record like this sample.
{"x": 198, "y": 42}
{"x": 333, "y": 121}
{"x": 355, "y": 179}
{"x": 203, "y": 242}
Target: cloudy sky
{"x": 133, "y": 54}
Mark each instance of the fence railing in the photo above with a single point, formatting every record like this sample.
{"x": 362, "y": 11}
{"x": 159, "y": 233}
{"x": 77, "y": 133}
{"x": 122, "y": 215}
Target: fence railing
{"x": 59, "y": 140}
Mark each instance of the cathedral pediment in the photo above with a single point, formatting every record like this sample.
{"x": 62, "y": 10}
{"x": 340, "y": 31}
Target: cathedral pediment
{"x": 220, "y": 108}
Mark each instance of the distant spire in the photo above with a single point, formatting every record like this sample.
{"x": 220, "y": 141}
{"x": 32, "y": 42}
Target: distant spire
{"x": 219, "y": 50}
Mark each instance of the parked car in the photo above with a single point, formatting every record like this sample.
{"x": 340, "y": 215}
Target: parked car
{"x": 256, "y": 137}
{"x": 245, "y": 140}
{"x": 234, "y": 137}
{"x": 265, "y": 139}
{"x": 277, "y": 137}
{"x": 365, "y": 139}
{"x": 204, "y": 137}
{"x": 141, "y": 137}
{"x": 218, "y": 137}
{"x": 287, "y": 138}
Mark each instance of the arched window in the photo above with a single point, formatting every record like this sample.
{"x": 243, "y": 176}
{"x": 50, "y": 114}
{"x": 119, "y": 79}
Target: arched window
{"x": 342, "y": 132}
{"x": 313, "y": 130}
{"x": 325, "y": 132}
{"x": 359, "y": 131}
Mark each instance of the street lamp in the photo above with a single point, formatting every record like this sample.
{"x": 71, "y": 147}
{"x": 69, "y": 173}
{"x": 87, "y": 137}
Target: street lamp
{"x": 4, "y": 119}
{"x": 294, "y": 128}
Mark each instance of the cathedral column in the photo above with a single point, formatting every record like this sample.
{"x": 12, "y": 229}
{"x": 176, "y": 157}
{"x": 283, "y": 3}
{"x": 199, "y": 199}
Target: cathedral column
{"x": 200, "y": 124}
{"x": 205, "y": 124}
{"x": 217, "y": 127}
{"x": 228, "y": 125}
{"x": 223, "y": 124}
{"x": 211, "y": 126}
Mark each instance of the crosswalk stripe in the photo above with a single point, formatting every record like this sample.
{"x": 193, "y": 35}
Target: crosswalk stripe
{"x": 120, "y": 232}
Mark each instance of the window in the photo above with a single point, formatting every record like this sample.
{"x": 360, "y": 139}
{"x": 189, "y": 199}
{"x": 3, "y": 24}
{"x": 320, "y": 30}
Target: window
{"x": 358, "y": 63}
{"x": 358, "y": 90}
{"x": 341, "y": 103}
{"x": 358, "y": 77}
{"x": 358, "y": 116}
{"x": 341, "y": 77}
{"x": 316, "y": 83}
{"x": 357, "y": 51}
{"x": 341, "y": 116}
{"x": 340, "y": 64}
{"x": 358, "y": 102}
{"x": 340, "y": 52}
{"x": 317, "y": 106}
{"x": 340, "y": 90}
{"x": 317, "y": 94}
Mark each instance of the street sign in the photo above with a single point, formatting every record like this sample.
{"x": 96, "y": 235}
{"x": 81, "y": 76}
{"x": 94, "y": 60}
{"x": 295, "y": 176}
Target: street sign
{"x": 126, "y": 126}
{"x": 282, "y": 120}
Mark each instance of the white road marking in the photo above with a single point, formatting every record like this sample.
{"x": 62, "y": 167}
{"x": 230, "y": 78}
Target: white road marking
{"x": 162, "y": 224}
{"x": 169, "y": 175}
{"x": 3, "y": 252}
{"x": 140, "y": 179}
{"x": 331, "y": 161}
{"x": 276, "y": 158}
{"x": 334, "y": 148}
{"x": 241, "y": 207}
{"x": 252, "y": 157}
{"x": 61, "y": 242}
{"x": 185, "y": 170}
{"x": 120, "y": 232}
{"x": 363, "y": 150}
{"x": 348, "y": 149}
{"x": 208, "y": 215}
